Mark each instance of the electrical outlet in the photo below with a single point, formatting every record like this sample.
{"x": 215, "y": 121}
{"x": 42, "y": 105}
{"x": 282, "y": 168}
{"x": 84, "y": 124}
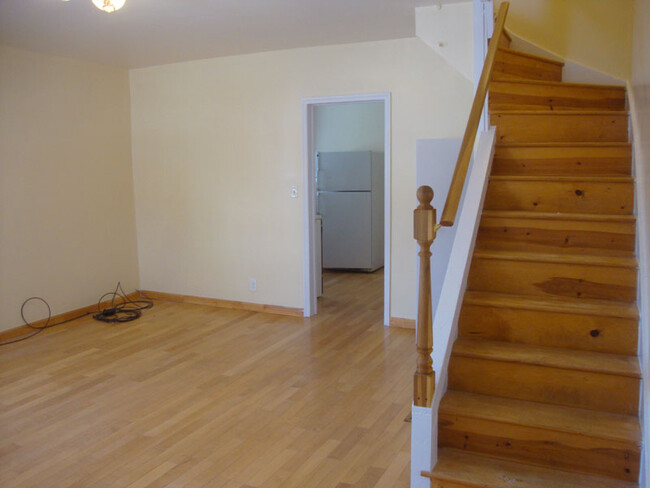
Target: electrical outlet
{"x": 252, "y": 284}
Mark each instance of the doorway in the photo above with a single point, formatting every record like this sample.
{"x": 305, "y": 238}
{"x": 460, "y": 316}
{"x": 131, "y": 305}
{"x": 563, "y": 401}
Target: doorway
{"x": 332, "y": 138}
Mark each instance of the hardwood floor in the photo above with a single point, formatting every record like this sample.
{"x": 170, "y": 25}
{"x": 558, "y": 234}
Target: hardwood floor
{"x": 194, "y": 396}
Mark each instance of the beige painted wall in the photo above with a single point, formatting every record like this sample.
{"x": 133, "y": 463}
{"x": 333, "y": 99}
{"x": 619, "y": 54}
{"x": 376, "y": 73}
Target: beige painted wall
{"x": 640, "y": 87}
{"x": 439, "y": 27}
{"x": 67, "y": 227}
{"x": 594, "y": 33}
{"x": 217, "y": 146}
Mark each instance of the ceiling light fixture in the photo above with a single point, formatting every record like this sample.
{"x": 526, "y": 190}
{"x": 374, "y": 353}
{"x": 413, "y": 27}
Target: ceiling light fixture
{"x": 109, "y": 5}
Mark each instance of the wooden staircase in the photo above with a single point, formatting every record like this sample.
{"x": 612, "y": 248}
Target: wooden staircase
{"x": 544, "y": 378}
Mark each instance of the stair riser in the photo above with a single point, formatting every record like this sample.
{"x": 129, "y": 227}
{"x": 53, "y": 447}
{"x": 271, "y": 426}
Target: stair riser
{"x": 576, "y": 331}
{"x": 562, "y": 161}
{"x": 613, "y": 198}
{"x": 509, "y": 66}
{"x": 543, "y": 447}
{"x": 553, "y": 279}
{"x": 557, "y": 236}
{"x": 504, "y": 41}
{"x": 456, "y": 468}
{"x": 581, "y": 389}
{"x": 450, "y": 484}
{"x": 531, "y": 96}
{"x": 554, "y": 127}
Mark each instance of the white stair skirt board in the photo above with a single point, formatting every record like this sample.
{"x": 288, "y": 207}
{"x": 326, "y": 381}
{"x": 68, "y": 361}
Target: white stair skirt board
{"x": 642, "y": 183}
{"x": 421, "y": 448}
{"x": 449, "y": 300}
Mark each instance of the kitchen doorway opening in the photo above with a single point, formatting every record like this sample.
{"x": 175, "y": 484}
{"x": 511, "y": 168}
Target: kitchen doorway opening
{"x": 346, "y": 205}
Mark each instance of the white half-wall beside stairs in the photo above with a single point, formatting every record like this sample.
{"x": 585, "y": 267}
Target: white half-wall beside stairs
{"x": 639, "y": 96}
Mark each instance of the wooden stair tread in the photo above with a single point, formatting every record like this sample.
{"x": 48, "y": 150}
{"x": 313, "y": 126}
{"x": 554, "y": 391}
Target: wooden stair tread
{"x": 553, "y": 304}
{"x": 554, "y": 113}
{"x": 552, "y": 95}
{"x": 582, "y": 217}
{"x": 604, "y": 425}
{"x": 614, "y": 364}
{"x": 530, "y": 56}
{"x": 578, "y": 259}
{"x": 562, "y": 83}
{"x": 559, "y": 179}
{"x": 470, "y": 470}
{"x": 563, "y": 158}
{"x": 563, "y": 144}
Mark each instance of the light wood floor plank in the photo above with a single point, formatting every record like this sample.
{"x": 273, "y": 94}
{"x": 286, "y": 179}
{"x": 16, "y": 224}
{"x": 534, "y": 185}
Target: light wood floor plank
{"x": 191, "y": 395}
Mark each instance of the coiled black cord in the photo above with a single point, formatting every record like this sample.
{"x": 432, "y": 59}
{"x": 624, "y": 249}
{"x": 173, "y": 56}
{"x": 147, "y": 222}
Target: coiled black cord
{"x": 126, "y": 311}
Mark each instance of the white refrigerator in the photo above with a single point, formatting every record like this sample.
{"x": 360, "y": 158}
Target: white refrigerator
{"x": 350, "y": 190}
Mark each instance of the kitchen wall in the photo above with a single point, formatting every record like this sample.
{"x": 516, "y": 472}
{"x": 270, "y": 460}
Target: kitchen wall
{"x": 67, "y": 221}
{"x": 640, "y": 93}
{"x": 217, "y": 146}
{"x": 594, "y": 33}
{"x": 349, "y": 127}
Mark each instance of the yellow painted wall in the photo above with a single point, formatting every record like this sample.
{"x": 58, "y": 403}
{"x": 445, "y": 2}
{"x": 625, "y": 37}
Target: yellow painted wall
{"x": 594, "y": 33}
{"x": 217, "y": 146}
{"x": 67, "y": 224}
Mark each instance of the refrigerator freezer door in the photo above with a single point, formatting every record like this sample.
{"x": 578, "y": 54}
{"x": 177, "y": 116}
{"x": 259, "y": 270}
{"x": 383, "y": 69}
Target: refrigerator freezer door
{"x": 344, "y": 171}
{"x": 346, "y": 229}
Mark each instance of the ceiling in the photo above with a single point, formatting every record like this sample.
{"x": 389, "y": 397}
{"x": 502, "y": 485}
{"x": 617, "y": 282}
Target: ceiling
{"x": 152, "y": 32}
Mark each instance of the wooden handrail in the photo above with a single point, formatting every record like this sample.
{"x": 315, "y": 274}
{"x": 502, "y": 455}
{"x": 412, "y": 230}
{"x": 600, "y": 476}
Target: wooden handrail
{"x": 467, "y": 146}
{"x": 424, "y": 231}
{"x": 425, "y": 227}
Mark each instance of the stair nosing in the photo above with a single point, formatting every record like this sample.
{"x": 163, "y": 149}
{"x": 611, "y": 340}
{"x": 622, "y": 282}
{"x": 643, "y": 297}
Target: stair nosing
{"x": 580, "y": 113}
{"x": 565, "y": 144}
{"x": 634, "y": 373}
{"x": 558, "y": 305}
{"x": 483, "y": 415}
{"x": 561, "y": 178}
{"x": 577, "y": 259}
{"x": 531, "y": 56}
{"x": 580, "y": 217}
{"x": 562, "y": 83}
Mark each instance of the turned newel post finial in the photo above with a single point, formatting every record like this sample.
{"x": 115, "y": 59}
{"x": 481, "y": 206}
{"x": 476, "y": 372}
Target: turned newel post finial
{"x": 424, "y": 231}
{"x": 425, "y": 195}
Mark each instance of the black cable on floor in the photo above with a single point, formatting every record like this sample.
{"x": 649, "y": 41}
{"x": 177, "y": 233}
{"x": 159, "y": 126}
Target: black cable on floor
{"x": 125, "y": 311}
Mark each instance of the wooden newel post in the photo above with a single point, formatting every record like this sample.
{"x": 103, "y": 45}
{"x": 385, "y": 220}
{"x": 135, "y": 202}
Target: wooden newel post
{"x": 424, "y": 231}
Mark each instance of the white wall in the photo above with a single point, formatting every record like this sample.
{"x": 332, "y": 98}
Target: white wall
{"x": 349, "y": 127}
{"x": 640, "y": 88}
{"x": 67, "y": 225}
{"x": 217, "y": 146}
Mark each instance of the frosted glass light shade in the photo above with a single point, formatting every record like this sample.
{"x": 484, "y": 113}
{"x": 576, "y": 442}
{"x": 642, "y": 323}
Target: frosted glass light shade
{"x": 109, "y": 5}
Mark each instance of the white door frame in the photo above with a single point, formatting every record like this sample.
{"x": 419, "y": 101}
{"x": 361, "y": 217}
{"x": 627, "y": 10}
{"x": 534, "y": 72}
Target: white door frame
{"x": 309, "y": 190}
